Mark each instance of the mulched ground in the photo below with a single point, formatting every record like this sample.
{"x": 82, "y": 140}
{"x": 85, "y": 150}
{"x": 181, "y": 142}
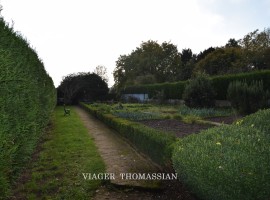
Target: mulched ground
{"x": 181, "y": 129}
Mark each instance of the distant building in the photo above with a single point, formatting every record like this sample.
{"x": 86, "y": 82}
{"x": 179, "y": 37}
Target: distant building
{"x": 139, "y": 97}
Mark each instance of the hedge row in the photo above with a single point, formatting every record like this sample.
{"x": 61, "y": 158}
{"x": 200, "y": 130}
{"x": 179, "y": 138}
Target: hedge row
{"x": 230, "y": 162}
{"x": 27, "y": 97}
{"x": 171, "y": 90}
{"x": 156, "y": 144}
{"x": 220, "y": 84}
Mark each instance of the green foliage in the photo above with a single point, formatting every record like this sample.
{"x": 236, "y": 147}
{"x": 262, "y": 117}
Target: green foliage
{"x": 227, "y": 162}
{"x": 204, "y": 112}
{"x": 156, "y": 144}
{"x": 160, "y": 60}
{"x": 136, "y": 116}
{"x": 221, "y": 83}
{"x": 247, "y": 98}
{"x": 27, "y": 99}
{"x": 259, "y": 120}
{"x": 199, "y": 93}
{"x": 171, "y": 90}
{"x": 83, "y": 87}
{"x": 222, "y": 61}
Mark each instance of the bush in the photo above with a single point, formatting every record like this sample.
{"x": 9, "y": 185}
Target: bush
{"x": 259, "y": 120}
{"x": 225, "y": 163}
{"x": 156, "y": 144}
{"x": 246, "y": 98}
{"x": 199, "y": 93}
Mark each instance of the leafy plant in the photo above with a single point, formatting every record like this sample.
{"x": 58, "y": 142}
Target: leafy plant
{"x": 137, "y": 116}
{"x": 199, "y": 92}
{"x": 204, "y": 112}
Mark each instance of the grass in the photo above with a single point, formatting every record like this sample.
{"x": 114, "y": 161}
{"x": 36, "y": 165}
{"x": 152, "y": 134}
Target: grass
{"x": 68, "y": 151}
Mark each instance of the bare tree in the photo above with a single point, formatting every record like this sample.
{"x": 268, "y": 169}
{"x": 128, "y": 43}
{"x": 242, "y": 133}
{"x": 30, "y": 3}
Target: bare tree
{"x": 102, "y": 72}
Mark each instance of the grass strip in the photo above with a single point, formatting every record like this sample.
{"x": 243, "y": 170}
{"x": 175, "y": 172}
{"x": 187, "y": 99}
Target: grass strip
{"x": 68, "y": 151}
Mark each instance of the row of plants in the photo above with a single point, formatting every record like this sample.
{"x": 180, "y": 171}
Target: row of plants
{"x": 156, "y": 144}
{"x": 27, "y": 99}
{"x": 205, "y": 112}
{"x": 220, "y": 84}
{"x": 230, "y": 162}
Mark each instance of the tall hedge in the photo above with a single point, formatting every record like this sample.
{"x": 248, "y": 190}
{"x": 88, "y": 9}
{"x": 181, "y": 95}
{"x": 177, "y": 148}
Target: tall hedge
{"x": 220, "y": 84}
{"x": 171, "y": 90}
{"x": 27, "y": 97}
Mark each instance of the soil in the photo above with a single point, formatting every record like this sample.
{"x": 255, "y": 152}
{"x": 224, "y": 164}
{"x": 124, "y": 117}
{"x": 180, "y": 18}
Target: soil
{"x": 179, "y": 128}
{"x": 119, "y": 156}
{"x": 224, "y": 120}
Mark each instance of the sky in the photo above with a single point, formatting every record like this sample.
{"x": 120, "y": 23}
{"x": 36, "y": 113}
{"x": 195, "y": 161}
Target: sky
{"x": 76, "y": 36}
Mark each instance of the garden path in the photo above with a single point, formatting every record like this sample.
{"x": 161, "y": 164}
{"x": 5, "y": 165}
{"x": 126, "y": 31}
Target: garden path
{"x": 120, "y": 157}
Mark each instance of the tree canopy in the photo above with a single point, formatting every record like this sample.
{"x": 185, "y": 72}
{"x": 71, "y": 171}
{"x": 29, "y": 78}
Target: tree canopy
{"x": 151, "y": 61}
{"x": 156, "y": 63}
{"x": 82, "y": 87}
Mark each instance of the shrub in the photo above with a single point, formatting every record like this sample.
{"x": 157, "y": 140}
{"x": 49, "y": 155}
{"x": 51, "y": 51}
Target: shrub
{"x": 225, "y": 163}
{"x": 247, "y": 98}
{"x": 259, "y": 120}
{"x": 199, "y": 93}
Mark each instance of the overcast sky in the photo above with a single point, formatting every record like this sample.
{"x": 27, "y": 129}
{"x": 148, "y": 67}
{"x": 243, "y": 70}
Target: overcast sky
{"x": 76, "y": 36}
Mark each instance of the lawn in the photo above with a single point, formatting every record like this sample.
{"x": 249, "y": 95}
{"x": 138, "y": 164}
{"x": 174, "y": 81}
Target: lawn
{"x": 56, "y": 169}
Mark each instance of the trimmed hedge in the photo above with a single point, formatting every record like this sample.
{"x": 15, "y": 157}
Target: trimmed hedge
{"x": 220, "y": 84}
{"x": 230, "y": 162}
{"x": 171, "y": 90}
{"x": 27, "y": 98}
{"x": 156, "y": 144}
